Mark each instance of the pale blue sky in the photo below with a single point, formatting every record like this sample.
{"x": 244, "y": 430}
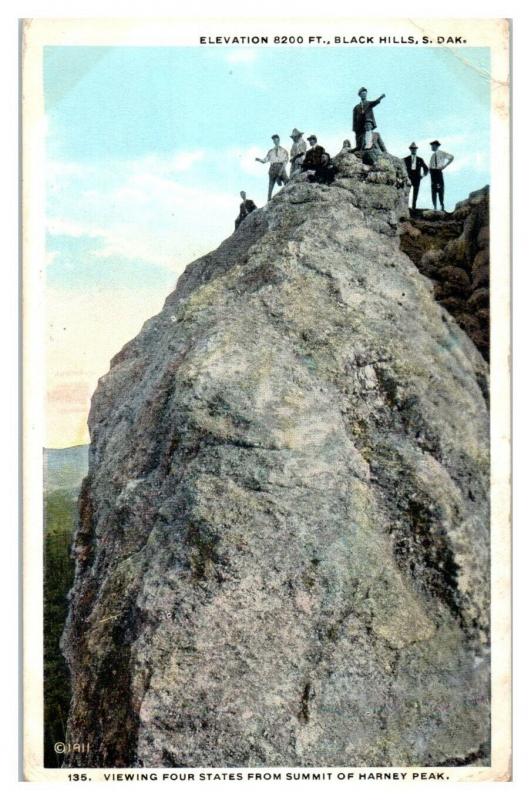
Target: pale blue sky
{"x": 148, "y": 148}
{"x": 114, "y": 111}
{"x": 128, "y": 101}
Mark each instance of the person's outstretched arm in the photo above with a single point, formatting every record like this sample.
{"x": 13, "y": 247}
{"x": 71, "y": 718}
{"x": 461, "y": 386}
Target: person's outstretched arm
{"x": 373, "y": 103}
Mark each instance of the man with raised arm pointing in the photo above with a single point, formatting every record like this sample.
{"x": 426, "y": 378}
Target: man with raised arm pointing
{"x": 363, "y": 117}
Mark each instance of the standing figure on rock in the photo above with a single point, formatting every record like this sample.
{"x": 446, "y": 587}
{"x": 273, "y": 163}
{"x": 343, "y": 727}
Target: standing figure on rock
{"x": 416, "y": 170}
{"x": 297, "y": 152}
{"x": 439, "y": 161}
{"x": 246, "y": 206}
{"x": 363, "y": 121}
{"x": 277, "y": 158}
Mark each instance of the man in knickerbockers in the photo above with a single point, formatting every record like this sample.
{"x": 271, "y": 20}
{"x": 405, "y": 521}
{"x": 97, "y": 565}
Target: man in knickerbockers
{"x": 438, "y": 161}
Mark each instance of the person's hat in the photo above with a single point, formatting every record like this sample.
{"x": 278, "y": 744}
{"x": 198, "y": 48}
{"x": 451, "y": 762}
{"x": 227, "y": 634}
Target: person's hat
{"x": 413, "y": 146}
{"x": 275, "y": 136}
{"x": 363, "y": 89}
{"x": 437, "y": 142}
{"x": 295, "y": 133}
{"x": 309, "y": 138}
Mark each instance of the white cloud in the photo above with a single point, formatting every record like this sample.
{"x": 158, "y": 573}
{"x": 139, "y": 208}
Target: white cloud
{"x": 141, "y": 209}
{"x": 472, "y": 161}
{"x": 244, "y": 158}
{"x": 57, "y": 226}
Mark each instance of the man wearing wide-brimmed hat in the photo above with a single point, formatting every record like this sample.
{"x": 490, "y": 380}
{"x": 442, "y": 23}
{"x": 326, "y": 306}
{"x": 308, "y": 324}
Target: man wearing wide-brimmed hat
{"x": 363, "y": 120}
{"x": 416, "y": 170}
{"x": 438, "y": 161}
{"x": 297, "y": 152}
{"x": 277, "y": 158}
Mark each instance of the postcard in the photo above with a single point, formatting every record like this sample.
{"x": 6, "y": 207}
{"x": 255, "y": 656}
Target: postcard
{"x": 266, "y": 400}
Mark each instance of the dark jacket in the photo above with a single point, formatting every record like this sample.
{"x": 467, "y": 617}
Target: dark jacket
{"x": 419, "y": 172}
{"x": 313, "y": 157}
{"x": 362, "y": 114}
{"x": 324, "y": 169}
{"x": 245, "y": 208}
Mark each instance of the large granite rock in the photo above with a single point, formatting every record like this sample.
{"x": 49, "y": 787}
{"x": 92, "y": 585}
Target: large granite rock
{"x": 282, "y": 557}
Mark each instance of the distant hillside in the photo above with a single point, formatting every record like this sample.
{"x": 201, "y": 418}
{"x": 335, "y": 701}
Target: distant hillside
{"x": 65, "y": 468}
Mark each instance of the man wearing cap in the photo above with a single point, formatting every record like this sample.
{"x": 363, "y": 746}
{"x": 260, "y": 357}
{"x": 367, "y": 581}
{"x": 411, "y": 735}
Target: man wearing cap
{"x": 363, "y": 120}
{"x": 439, "y": 161}
{"x": 416, "y": 170}
{"x": 297, "y": 152}
{"x": 246, "y": 206}
{"x": 312, "y": 159}
{"x": 277, "y": 158}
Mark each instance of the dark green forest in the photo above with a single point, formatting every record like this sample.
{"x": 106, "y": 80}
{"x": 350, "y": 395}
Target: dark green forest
{"x": 60, "y": 509}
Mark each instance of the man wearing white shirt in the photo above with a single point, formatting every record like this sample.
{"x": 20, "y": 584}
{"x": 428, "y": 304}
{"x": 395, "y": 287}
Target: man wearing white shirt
{"x": 277, "y": 158}
{"x": 439, "y": 161}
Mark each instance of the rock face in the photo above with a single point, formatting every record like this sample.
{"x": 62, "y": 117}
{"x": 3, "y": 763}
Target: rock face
{"x": 282, "y": 557}
{"x": 453, "y": 250}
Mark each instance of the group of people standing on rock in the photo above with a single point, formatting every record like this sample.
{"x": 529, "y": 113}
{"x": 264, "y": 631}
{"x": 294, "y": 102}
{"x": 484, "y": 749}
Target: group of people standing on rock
{"x": 312, "y": 159}
{"x": 364, "y": 125}
{"x": 315, "y": 161}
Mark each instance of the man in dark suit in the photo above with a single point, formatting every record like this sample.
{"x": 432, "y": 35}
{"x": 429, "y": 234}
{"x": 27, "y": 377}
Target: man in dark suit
{"x": 416, "y": 170}
{"x": 324, "y": 171}
{"x": 312, "y": 156}
{"x": 363, "y": 120}
{"x": 246, "y": 207}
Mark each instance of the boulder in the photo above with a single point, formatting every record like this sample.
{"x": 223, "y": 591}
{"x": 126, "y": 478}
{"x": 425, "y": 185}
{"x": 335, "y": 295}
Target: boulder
{"x": 282, "y": 557}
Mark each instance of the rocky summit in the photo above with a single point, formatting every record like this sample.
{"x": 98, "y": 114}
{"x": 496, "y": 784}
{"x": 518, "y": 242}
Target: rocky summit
{"x": 282, "y": 554}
